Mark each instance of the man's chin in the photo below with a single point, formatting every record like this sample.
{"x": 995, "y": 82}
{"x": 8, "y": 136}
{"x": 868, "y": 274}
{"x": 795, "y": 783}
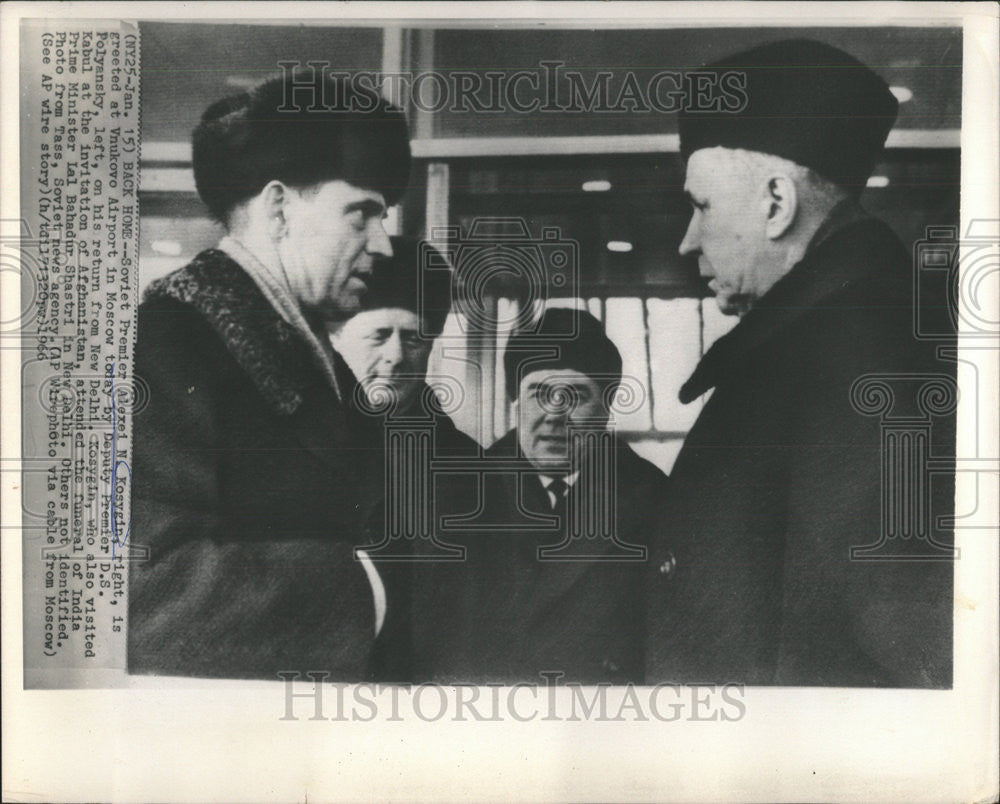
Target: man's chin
{"x": 731, "y": 304}
{"x": 333, "y": 311}
{"x": 550, "y": 456}
{"x": 349, "y": 304}
{"x": 404, "y": 398}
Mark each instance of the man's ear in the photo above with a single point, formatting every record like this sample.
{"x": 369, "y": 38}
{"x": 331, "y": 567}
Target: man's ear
{"x": 274, "y": 200}
{"x": 782, "y": 205}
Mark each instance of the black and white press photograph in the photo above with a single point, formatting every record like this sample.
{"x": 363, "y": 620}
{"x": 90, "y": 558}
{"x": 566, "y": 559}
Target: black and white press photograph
{"x": 393, "y": 374}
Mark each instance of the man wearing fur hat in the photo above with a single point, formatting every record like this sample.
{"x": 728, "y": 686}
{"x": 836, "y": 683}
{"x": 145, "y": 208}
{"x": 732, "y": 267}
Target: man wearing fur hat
{"x": 250, "y": 488}
{"x": 552, "y": 579}
{"x": 755, "y": 576}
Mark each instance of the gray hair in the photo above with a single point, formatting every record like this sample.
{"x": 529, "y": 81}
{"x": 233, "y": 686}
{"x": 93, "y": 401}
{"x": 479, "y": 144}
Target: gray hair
{"x": 815, "y": 192}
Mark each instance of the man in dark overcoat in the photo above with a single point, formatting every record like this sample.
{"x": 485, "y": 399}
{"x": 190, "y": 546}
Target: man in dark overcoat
{"x": 552, "y": 578}
{"x": 251, "y": 488}
{"x": 791, "y": 550}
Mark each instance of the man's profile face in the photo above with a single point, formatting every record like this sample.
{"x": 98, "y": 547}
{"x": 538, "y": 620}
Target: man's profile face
{"x": 726, "y": 231}
{"x": 548, "y": 401}
{"x": 385, "y": 351}
{"x": 334, "y": 233}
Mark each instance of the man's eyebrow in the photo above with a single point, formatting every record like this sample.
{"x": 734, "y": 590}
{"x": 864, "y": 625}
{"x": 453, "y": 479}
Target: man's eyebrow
{"x": 368, "y": 206}
{"x": 558, "y": 382}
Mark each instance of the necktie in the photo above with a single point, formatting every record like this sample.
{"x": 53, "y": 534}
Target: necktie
{"x": 558, "y": 489}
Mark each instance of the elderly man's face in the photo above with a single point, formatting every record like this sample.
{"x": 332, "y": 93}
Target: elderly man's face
{"x": 726, "y": 232}
{"x": 385, "y": 351}
{"x": 333, "y": 233}
{"x": 548, "y": 401}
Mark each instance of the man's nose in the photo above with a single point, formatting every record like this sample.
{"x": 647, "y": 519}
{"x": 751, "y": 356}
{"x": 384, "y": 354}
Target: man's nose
{"x": 392, "y": 350}
{"x": 560, "y": 410}
{"x": 378, "y": 240}
{"x": 690, "y": 245}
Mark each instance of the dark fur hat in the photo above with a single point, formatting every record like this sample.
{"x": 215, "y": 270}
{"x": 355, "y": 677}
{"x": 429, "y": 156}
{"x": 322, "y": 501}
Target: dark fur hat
{"x": 562, "y": 339}
{"x": 303, "y": 128}
{"x": 807, "y": 102}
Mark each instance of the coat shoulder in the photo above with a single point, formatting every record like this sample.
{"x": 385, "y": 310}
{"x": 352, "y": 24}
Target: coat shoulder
{"x": 167, "y": 324}
{"x": 451, "y": 441}
{"x": 641, "y": 471}
{"x": 504, "y": 447}
{"x": 868, "y": 324}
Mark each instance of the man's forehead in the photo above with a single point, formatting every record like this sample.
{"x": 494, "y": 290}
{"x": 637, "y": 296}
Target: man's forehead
{"x": 383, "y": 317}
{"x": 351, "y": 193}
{"x": 717, "y": 168}
{"x": 705, "y": 163}
{"x": 559, "y": 376}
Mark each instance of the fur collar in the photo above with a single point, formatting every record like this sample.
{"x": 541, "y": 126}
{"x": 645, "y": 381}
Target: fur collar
{"x": 267, "y": 348}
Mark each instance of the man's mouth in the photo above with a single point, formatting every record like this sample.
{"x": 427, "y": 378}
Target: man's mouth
{"x": 707, "y": 275}
{"x": 384, "y": 379}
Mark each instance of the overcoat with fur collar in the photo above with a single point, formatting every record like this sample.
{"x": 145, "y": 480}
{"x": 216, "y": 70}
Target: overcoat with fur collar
{"x": 250, "y": 492}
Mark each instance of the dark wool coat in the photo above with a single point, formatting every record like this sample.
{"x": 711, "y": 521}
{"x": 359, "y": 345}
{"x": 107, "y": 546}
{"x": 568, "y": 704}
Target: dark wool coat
{"x": 751, "y": 577}
{"x": 451, "y": 488}
{"x": 250, "y": 490}
{"x": 504, "y": 615}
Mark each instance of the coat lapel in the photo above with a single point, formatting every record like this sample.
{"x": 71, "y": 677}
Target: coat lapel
{"x": 262, "y": 343}
{"x": 273, "y": 355}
